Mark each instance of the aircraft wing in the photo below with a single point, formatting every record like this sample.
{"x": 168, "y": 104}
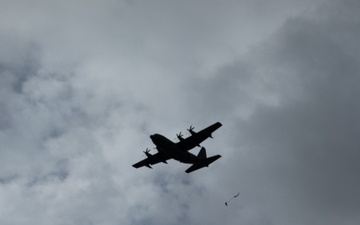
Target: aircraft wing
{"x": 206, "y": 162}
{"x": 197, "y": 137}
{"x": 151, "y": 160}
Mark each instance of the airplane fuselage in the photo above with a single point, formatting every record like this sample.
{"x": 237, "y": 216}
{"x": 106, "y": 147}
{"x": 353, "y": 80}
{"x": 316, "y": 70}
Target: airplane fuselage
{"x": 180, "y": 151}
{"x": 169, "y": 148}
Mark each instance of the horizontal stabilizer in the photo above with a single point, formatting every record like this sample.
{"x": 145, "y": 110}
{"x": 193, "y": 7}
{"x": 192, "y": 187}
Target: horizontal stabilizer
{"x": 203, "y": 163}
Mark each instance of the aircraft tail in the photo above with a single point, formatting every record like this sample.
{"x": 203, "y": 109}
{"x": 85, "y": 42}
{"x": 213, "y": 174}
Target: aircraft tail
{"x": 202, "y": 163}
{"x": 202, "y": 153}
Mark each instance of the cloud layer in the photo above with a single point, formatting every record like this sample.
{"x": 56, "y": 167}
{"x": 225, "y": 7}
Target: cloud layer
{"x": 82, "y": 88}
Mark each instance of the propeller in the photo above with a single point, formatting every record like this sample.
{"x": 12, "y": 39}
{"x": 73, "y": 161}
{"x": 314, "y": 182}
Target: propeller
{"x": 191, "y": 130}
{"x": 147, "y": 152}
{"x": 180, "y": 136}
{"x": 148, "y": 155}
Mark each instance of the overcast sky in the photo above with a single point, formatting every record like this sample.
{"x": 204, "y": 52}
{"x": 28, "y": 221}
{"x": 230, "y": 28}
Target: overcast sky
{"x": 84, "y": 83}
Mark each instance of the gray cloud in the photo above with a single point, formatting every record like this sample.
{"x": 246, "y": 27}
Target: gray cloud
{"x": 297, "y": 152}
{"x": 83, "y": 87}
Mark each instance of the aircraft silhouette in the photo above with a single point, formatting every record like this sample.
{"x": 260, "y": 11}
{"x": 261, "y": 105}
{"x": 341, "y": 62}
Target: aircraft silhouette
{"x": 179, "y": 151}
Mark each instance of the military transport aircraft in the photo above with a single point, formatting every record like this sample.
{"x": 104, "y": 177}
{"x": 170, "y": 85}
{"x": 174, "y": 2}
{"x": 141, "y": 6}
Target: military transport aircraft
{"x": 179, "y": 151}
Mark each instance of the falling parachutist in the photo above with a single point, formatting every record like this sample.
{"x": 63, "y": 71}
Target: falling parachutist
{"x": 226, "y": 203}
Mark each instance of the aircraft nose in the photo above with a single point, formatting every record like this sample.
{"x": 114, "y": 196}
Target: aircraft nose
{"x": 153, "y": 137}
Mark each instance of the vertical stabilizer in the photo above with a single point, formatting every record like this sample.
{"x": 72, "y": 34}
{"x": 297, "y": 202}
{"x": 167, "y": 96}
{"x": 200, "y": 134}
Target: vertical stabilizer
{"x": 202, "y": 153}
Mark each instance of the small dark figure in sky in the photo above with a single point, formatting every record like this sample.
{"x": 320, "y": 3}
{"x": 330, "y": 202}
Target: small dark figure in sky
{"x": 226, "y": 203}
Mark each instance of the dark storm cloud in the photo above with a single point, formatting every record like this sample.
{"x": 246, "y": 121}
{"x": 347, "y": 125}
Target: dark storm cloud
{"x": 78, "y": 108}
{"x": 303, "y": 143}
{"x": 18, "y": 63}
{"x": 26, "y": 118}
{"x": 7, "y": 179}
{"x": 51, "y": 128}
{"x": 59, "y": 173}
{"x": 313, "y": 134}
